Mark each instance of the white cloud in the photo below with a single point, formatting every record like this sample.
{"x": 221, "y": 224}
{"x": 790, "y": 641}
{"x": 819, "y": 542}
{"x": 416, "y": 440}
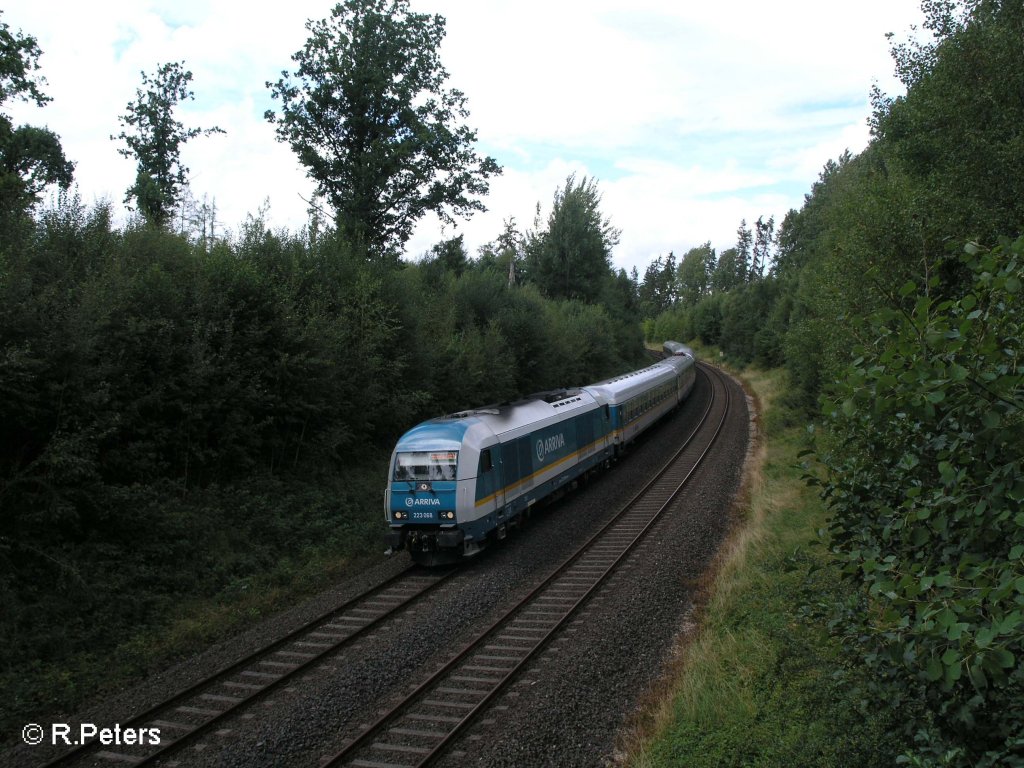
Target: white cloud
{"x": 691, "y": 115}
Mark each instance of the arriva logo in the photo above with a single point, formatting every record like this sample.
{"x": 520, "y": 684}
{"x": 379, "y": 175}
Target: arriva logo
{"x": 553, "y": 443}
{"x": 430, "y": 501}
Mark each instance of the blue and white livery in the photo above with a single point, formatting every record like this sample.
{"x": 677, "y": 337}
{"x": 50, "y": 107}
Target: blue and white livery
{"x": 460, "y": 481}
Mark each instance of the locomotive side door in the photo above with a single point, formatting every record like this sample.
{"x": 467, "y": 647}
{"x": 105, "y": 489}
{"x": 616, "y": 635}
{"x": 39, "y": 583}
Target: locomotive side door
{"x": 490, "y": 477}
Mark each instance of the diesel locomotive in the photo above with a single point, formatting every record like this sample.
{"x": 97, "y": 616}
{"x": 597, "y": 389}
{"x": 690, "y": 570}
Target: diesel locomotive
{"x": 461, "y": 481}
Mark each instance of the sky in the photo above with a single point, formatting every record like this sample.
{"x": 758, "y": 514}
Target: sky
{"x": 690, "y": 116}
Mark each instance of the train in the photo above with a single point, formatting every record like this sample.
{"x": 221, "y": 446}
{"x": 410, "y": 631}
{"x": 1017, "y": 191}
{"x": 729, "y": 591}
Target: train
{"x": 459, "y": 482}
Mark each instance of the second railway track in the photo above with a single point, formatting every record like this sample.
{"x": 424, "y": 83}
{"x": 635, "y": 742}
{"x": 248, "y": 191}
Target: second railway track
{"x": 195, "y": 711}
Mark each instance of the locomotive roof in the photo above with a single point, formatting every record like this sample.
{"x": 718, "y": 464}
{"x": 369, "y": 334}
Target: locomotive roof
{"x": 511, "y": 419}
{"x": 505, "y": 420}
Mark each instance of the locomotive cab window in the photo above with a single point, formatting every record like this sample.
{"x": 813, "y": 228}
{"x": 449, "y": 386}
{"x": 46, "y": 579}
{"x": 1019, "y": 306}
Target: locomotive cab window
{"x": 426, "y": 465}
{"x": 485, "y": 460}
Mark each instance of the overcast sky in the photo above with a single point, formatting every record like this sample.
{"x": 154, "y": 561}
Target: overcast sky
{"x": 691, "y": 115}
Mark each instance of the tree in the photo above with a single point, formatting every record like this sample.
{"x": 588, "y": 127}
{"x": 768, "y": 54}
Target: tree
{"x": 958, "y": 132}
{"x": 504, "y": 253}
{"x": 728, "y": 270}
{"x": 571, "y": 259}
{"x": 764, "y": 244}
{"x": 447, "y": 257}
{"x": 154, "y": 138}
{"x": 924, "y": 455}
{"x": 19, "y": 59}
{"x": 368, "y": 115}
{"x": 30, "y": 158}
{"x": 694, "y": 273}
{"x": 744, "y": 247}
{"x": 659, "y": 289}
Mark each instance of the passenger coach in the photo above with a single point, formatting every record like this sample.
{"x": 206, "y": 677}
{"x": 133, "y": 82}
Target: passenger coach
{"x": 638, "y": 399}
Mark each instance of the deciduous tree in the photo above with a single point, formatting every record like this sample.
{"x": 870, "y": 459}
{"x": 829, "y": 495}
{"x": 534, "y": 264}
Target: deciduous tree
{"x": 958, "y": 132}
{"x": 694, "y": 273}
{"x": 369, "y": 116}
{"x": 728, "y": 270}
{"x": 154, "y": 138}
{"x": 571, "y": 259}
{"x": 31, "y": 158}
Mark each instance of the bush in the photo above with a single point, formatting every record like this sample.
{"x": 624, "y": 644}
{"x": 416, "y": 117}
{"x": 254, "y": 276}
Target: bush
{"x": 925, "y": 483}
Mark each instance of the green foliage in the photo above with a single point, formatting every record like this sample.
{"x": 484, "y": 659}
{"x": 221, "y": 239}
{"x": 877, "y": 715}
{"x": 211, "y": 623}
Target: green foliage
{"x": 30, "y": 158}
{"x": 853, "y": 238}
{"x": 694, "y": 274}
{"x": 750, "y": 330}
{"x": 19, "y": 60}
{"x": 571, "y": 258}
{"x": 923, "y": 435}
{"x": 925, "y": 485}
{"x": 958, "y": 131}
{"x": 447, "y": 257}
{"x": 748, "y": 323}
{"x": 945, "y": 162}
{"x": 505, "y": 253}
{"x": 924, "y": 446}
{"x": 730, "y": 270}
{"x": 660, "y": 287}
{"x": 368, "y": 115}
{"x": 491, "y": 342}
{"x": 148, "y": 389}
{"x": 620, "y": 301}
{"x": 763, "y": 248}
{"x": 154, "y": 138}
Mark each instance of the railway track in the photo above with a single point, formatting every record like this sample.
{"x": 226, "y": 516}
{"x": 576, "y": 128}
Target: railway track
{"x": 188, "y": 715}
{"x": 426, "y": 723}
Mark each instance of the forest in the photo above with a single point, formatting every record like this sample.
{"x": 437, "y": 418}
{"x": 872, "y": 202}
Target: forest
{"x": 189, "y": 420}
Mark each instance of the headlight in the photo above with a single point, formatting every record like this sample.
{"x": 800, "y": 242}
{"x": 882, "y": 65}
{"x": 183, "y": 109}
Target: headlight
{"x": 447, "y": 515}
{"x": 401, "y": 515}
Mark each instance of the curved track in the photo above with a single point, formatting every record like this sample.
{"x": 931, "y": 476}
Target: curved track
{"x": 421, "y": 728}
{"x": 424, "y": 725}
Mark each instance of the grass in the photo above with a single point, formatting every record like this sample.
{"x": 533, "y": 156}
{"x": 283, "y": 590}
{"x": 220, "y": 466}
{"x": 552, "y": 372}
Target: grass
{"x": 198, "y": 623}
{"x": 755, "y": 683}
{"x": 333, "y": 531}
